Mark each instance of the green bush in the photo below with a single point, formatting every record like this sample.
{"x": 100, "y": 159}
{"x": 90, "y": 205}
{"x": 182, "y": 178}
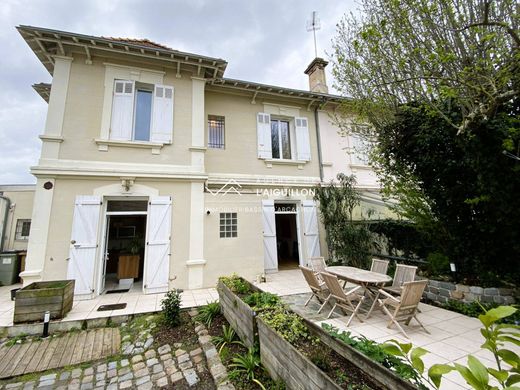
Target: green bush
{"x": 261, "y": 300}
{"x": 287, "y": 324}
{"x": 476, "y": 308}
{"x": 236, "y": 284}
{"x": 438, "y": 264}
{"x": 376, "y": 352}
{"x": 171, "y": 307}
{"x": 208, "y": 313}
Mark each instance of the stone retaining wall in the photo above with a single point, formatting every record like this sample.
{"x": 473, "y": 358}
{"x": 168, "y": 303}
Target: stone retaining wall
{"x": 441, "y": 292}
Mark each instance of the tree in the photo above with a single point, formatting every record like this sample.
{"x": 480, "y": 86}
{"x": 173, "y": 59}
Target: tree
{"x": 349, "y": 243}
{"x": 401, "y": 51}
{"x": 459, "y": 188}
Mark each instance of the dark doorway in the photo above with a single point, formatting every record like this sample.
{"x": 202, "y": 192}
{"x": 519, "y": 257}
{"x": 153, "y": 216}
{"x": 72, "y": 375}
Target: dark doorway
{"x": 125, "y": 249}
{"x": 287, "y": 241}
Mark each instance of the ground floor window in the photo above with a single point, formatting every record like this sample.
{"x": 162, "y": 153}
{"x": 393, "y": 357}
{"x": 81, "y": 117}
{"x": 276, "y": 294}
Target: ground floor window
{"x": 228, "y": 225}
{"x": 23, "y": 227}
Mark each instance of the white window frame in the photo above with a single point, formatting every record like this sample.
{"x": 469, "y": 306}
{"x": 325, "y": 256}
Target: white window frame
{"x": 292, "y": 137}
{"x": 19, "y": 229}
{"x": 143, "y": 87}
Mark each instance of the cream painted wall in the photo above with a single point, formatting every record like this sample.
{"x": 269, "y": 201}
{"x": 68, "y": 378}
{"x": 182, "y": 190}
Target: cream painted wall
{"x": 336, "y": 154}
{"x": 243, "y": 254}
{"x": 83, "y": 113}
{"x": 65, "y": 192}
{"x": 21, "y": 208}
{"x": 240, "y": 154}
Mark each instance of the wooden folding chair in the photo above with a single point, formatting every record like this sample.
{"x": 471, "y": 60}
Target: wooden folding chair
{"x": 404, "y": 307}
{"x": 318, "y": 289}
{"x": 317, "y": 264}
{"x": 379, "y": 266}
{"x": 342, "y": 299}
{"x": 403, "y": 274}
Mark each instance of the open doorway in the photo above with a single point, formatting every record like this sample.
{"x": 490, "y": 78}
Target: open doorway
{"x": 287, "y": 235}
{"x": 124, "y": 246}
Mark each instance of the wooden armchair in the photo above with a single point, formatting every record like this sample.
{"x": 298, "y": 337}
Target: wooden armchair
{"x": 342, "y": 299}
{"x": 318, "y": 289}
{"x": 379, "y": 266}
{"x": 405, "y": 307}
{"x": 403, "y": 274}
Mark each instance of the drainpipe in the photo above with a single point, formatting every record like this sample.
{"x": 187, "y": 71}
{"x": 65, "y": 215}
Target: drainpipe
{"x": 317, "y": 121}
{"x": 4, "y": 225}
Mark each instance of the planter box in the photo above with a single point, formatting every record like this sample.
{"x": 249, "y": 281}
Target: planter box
{"x": 381, "y": 375}
{"x": 239, "y": 315}
{"x": 35, "y": 299}
{"x": 283, "y": 361}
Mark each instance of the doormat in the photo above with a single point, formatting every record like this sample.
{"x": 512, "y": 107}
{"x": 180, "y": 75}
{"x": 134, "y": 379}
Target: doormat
{"x": 115, "y": 306}
{"x": 121, "y": 290}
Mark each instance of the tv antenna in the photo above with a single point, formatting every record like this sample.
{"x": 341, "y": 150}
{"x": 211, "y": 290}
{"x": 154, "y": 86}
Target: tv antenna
{"x": 313, "y": 25}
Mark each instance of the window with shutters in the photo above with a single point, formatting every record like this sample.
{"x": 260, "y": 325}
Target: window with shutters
{"x": 141, "y": 112}
{"x": 283, "y": 138}
{"x": 216, "y": 130}
{"x": 23, "y": 227}
{"x": 228, "y": 225}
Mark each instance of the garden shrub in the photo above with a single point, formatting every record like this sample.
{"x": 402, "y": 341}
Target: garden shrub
{"x": 208, "y": 313}
{"x": 261, "y": 300}
{"x": 288, "y": 325}
{"x": 236, "y": 284}
{"x": 171, "y": 307}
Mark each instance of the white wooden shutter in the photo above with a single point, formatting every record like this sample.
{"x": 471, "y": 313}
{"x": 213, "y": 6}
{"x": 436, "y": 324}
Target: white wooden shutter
{"x": 269, "y": 224}
{"x": 263, "y": 128}
{"x": 84, "y": 242}
{"x": 303, "y": 144}
{"x": 122, "y": 110}
{"x": 311, "y": 232}
{"x": 158, "y": 234}
{"x": 162, "y": 114}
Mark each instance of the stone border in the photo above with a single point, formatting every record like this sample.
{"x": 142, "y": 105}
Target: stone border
{"x": 216, "y": 368}
{"x": 441, "y": 292}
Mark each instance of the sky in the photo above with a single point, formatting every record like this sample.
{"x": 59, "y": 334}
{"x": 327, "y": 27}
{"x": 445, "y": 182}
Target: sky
{"x": 264, "y": 41}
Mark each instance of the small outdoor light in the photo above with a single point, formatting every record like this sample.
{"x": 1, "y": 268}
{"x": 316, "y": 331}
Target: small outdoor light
{"x": 46, "y": 319}
{"x": 453, "y": 268}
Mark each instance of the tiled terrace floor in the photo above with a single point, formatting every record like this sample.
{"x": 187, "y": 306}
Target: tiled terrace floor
{"x": 136, "y": 301}
{"x": 452, "y": 336}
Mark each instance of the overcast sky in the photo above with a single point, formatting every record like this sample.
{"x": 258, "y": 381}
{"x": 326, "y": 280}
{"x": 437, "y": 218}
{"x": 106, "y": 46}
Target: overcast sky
{"x": 263, "y": 41}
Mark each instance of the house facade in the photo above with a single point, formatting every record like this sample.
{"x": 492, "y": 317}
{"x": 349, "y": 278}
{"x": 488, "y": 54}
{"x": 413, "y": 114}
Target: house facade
{"x": 156, "y": 169}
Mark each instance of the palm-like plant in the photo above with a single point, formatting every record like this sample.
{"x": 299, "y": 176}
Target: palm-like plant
{"x": 248, "y": 363}
{"x": 208, "y": 313}
{"x": 228, "y": 337}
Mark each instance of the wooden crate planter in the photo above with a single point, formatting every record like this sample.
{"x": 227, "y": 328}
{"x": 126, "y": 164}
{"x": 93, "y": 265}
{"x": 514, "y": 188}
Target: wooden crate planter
{"x": 283, "y": 361}
{"x": 238, "y": 313}
{"x": 35, "y": 299}
{"x": 379, "y": 374}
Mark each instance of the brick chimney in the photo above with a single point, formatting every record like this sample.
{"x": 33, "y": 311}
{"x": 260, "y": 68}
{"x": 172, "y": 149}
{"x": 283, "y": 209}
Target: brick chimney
{"x": 316, "y": 72}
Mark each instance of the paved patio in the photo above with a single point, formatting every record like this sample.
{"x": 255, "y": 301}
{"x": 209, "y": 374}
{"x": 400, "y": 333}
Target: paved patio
{"x": 136, "y": 302}
{"x": 452, "y": 337}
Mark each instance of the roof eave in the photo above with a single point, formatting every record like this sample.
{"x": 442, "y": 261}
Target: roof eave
{"x": 47, "y": 43}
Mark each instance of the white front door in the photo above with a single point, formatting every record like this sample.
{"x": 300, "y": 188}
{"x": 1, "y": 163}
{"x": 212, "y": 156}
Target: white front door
{"x": 104, "y": 257}
{"x": 269, "y": 225}
{"x": 158, "y": 234}
{"x": 84, "y": 242}
{"x": 310, "y": 231}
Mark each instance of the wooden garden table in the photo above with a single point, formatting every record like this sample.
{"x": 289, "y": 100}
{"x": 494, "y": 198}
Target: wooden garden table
{"x": 370, "y": 281}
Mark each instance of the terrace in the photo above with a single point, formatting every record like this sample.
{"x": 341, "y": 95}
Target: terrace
{"x": 452, "y": 337}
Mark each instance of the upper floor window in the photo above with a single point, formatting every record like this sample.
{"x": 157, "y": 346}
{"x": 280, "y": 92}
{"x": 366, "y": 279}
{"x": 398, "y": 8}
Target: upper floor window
{"x": 141, "y": 112}
{"x": 275, "y": 138}
{"x": 216, "y": 132}
{"x": 359, "y": 150}
{"x": 280, "y": 139}
{"x": 23, "y": 227}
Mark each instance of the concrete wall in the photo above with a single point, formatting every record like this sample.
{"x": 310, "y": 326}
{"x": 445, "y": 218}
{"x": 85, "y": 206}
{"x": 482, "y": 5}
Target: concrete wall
{"x": 21, "y": 197}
